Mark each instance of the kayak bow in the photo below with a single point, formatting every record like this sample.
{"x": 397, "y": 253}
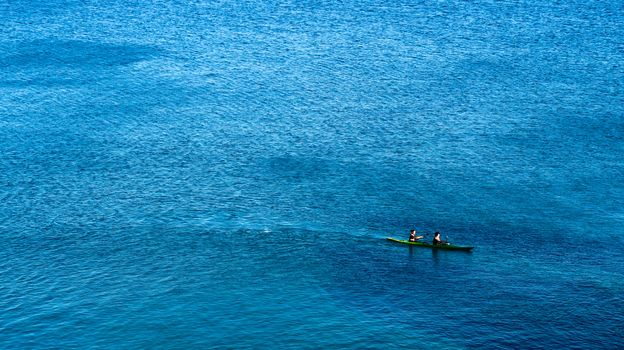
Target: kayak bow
{"x": 429, "y": 245}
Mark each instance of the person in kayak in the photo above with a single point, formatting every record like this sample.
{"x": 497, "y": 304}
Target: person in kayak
{"x": 436, "y": 238}
{"x": 413, "y": 237}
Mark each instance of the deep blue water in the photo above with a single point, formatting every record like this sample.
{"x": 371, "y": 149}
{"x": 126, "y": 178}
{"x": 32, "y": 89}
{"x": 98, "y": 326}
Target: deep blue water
{"x": 190, "y": 174}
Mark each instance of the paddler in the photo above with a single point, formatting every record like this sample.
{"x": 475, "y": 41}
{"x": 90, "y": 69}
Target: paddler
{"x": 413, "y": 237}
{"x": 436, "y": 238}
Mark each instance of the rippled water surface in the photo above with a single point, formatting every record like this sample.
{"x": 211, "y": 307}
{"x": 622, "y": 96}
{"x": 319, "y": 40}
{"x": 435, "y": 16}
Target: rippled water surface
{"x": 194, "y": 174}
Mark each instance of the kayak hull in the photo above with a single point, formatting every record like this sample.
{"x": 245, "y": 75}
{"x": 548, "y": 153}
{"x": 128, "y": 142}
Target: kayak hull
{"x": 429, "y": 245}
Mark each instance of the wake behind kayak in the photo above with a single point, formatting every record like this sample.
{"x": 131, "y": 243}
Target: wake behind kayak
{"x": 432, "y": 246}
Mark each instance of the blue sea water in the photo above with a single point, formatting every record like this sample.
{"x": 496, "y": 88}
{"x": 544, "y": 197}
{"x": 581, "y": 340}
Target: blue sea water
{"x": 195, "y": 174}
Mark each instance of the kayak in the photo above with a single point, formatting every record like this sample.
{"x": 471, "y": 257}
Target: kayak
{"x": 429, "y": 245}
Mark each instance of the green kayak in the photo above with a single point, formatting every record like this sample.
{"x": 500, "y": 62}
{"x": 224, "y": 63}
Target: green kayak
{"x": 429, "y": 245}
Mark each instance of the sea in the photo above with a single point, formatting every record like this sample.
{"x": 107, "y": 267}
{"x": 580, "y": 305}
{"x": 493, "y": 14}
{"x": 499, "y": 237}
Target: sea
{"x": 223, "y": 174}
